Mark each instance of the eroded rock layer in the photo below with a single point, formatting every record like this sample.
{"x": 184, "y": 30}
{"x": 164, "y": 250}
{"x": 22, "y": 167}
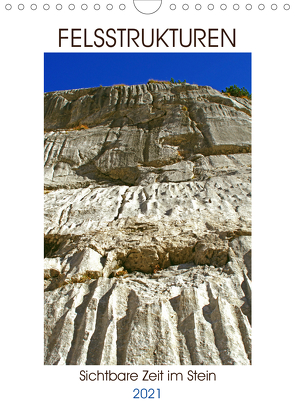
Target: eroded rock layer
{"x": 147, "y": 221}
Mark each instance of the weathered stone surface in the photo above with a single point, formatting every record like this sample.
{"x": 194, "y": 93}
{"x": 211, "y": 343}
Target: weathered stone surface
{"x": 124, "y": 128}
{"x": 220, "y": 191}
{"x": 185, "y": 314}
{"x": 147, "y": 222}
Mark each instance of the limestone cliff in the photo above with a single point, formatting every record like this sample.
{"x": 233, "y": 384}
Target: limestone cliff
{"x": 147, "y": 220}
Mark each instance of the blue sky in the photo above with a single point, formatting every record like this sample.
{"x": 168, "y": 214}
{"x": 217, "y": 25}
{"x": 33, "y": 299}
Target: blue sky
{"x": 65, "y": 71}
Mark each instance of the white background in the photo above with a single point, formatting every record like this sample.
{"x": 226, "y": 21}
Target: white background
{"x": 37, "y": 390}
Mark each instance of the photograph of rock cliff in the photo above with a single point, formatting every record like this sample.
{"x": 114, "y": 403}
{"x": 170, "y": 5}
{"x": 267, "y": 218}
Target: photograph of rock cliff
{"x": 147, "y": 225}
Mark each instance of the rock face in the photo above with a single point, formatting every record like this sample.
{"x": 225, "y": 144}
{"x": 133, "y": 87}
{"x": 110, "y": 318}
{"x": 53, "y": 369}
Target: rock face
{"x": 147, "y": 222}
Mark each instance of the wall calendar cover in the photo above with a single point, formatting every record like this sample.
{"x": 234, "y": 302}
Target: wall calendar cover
{"x": 134, "y": 232}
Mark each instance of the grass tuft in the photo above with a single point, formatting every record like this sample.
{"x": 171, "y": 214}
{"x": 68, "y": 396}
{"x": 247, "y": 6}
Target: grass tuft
{"x": 158, "y": 82}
